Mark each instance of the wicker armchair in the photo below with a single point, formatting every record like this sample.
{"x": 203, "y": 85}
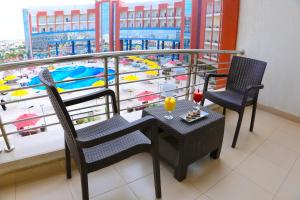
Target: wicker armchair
{"x": 243, "y": 85}
{"x": 100, "y": 145}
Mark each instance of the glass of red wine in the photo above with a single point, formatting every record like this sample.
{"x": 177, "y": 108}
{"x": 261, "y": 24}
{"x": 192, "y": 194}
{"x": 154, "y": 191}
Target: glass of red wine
{"x": 197, "y": 96}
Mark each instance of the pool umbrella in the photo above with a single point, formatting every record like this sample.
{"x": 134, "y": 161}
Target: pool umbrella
{"x": 152, "y": 73}
{"x": 51, "y": 67}
{"x": 124, "y": 62}
{"x": 60, "y": 90}
{"x": 181, "y": 78}
{"x": 154, "y": 66}
{"x": 135, "y": 64}
{"x": 19, "y": 93}
{"x": 144, "y": 98}
{"x": 151, "y": 57}
{"x": 138, "y": 59}
{"x": 172, "y": 62}
{"x": 30, "y": 122}
{"x": 4, "y": 87}
{"x": 132, "y": 57}
{"x": 131, "y": 78}
{"x": 10, "y": 78}
{"x": 2, "y": 82}
{"x": 143, "y": 67}
{"x": 150, "y": 62}
{"x": 98, "y": 83}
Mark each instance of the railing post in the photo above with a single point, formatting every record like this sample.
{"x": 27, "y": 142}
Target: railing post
{"x": 188, "y": 82}
{"x": 9, "y": 147}
{"x": 195, "y": 68}
{"x": 117, "y": 81}
{"x": 106, "y": 85}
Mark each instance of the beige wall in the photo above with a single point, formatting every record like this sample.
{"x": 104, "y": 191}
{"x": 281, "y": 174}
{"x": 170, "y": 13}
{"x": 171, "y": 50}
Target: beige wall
{"x": 270, "y": 30}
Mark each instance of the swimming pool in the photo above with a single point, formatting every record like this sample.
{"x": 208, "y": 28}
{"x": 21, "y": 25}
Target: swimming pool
{"x": 72, "y": 72}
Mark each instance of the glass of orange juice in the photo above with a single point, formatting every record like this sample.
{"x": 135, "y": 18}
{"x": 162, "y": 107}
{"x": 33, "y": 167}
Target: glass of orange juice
{"x": 170, "y": 104}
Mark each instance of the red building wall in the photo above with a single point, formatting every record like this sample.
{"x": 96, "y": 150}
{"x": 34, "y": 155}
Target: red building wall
{"x": 227, "y": 33}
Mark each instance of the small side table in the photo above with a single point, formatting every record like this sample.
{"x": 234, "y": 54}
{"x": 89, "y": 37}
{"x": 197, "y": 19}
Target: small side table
{"x": 183, "y": 143}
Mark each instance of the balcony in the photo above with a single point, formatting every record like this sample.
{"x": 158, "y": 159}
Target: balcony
{"x": 272, "y": 150}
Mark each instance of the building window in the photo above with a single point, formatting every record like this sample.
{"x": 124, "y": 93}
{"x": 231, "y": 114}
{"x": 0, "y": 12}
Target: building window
{"x": 59, "y": 19}
{"x": 83, "y": 17}
{"x": 75, "y": 27}
{"x": 92, "y": 17}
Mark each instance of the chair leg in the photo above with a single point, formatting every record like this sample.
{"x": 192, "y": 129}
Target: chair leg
{"x": 156, "y": 171}
{"x": 155, "y": 160}
{"x": 84, "y": 186}
{"x": 253, "y": 116}
{"x": 238, "y": 127}
{"x": 224, "y": 111}
{"x": 68, "y": 161}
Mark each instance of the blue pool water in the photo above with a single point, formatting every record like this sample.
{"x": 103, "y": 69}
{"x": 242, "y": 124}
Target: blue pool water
{"x": 72, "y": 72}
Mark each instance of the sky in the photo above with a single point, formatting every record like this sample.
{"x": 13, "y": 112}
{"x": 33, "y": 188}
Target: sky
{"x": 11, "y": 18}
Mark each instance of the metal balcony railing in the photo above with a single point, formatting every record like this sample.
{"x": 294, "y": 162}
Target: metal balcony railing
{"x": 191, "y": 63}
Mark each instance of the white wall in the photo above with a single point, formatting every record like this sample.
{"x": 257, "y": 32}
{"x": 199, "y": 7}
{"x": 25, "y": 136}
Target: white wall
{"x": 270, "y": 30}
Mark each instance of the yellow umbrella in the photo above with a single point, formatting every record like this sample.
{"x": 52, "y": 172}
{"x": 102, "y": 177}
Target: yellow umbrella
{"x": 60, "y": 90}
{"x": 4, "y": 87}
{"x": 131, "y": 78}
{"x": 51, "y": 67}
{"x": 146, "y": 61}
{"x": 98, "y": 83}
{"x": 10, "y": 78}
{"x": 132, "y": 57}
{"x": 149, "y": 62}
{"x": 156, "y": 66}
{"x": 2, "y": 82}
{"x": 138, "y": 59}
{"x": 19, "y": 93}
{"x": 152, "y": 73}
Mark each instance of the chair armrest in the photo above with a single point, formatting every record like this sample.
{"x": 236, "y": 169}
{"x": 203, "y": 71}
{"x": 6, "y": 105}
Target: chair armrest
{"x": 248, "y": 89}
{"x": 145, "y": 122}
{"x": 208, "y": 76}
{"x": 91, "y": 96}
{"x": 255, "y": 87}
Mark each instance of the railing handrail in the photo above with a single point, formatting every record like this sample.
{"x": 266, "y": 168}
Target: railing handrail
{"x": 81, "y": 57}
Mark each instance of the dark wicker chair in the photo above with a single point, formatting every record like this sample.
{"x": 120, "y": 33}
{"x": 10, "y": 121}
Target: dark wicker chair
{"x": 100, "y": 145}
{"x": 243, "y": 85}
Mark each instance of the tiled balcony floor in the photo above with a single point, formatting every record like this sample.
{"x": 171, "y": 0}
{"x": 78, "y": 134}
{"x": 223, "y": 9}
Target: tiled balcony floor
{"x": 265, "y": 165}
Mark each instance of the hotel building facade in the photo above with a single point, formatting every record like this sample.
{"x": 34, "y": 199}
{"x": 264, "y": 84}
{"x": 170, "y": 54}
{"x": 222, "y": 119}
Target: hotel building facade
{"x": 112, "y": 25}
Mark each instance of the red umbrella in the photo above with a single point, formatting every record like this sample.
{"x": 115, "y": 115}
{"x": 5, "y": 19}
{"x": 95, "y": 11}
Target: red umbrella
{"x": 181, "y": 78}
{"x": 151, "y": 96}
{"x": 30, "y": 122}
{"x": 172, "y": 62}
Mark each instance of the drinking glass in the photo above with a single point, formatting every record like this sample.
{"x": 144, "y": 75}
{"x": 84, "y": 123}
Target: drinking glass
{"x": 197, "y": 96}
{"x": 170, "y": 104}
